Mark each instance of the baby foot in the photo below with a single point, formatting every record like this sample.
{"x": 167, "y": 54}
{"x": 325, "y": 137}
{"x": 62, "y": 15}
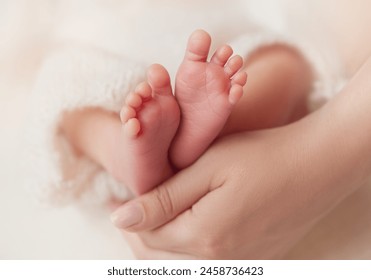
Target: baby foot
{"x": 206, "y": 92}
{"x": 150, "y": 119}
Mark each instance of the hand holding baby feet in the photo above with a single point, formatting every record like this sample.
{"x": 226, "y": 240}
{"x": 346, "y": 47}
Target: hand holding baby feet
{"x": 206, "y": 92}
{"x": 150, "y": 119}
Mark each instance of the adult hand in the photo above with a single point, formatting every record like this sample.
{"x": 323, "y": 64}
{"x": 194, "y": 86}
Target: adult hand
{"x": 253, "y": 195}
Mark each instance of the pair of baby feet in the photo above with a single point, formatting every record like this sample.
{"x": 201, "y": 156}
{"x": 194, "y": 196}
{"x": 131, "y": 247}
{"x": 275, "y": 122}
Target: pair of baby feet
{"x": 162, "y": 131}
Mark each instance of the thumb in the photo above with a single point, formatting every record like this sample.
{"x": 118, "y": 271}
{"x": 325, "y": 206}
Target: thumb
{"x": 163, "y": 203}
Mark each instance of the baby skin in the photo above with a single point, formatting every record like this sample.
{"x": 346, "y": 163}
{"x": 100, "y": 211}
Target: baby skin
{"x": 159, "y": 133}
{"x": 150, "y": 120}
{"x": 205, "y": 91}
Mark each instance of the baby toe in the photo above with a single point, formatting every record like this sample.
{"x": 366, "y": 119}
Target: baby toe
{"x": 233, "y": 65}
{"x": 198, "y": 46}
{"x": 159, "y": 80}
{"x": 134, "y": 100}
{"x": 221, "y": 55}
{"x": 127, "y": 113}
{"x": 132, "y": 127}
{"x": 144, "y": 90}
{"x": 239, "y": 78}
{"x": 235, "y": 94}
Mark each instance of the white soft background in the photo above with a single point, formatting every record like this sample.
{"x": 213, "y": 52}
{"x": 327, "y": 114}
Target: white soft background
{"x": 31, "y": 231}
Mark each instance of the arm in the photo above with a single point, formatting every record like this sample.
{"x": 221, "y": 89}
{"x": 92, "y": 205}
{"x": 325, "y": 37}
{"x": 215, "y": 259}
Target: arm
{"x": 287, "y": 180}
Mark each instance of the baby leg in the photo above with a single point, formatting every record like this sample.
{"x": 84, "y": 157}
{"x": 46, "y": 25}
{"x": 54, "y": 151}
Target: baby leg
{"x": 134, "y": 150}
{"x": 280, "y": 80}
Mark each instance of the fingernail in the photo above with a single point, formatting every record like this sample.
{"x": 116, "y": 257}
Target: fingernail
{"x": 127, "y": 216}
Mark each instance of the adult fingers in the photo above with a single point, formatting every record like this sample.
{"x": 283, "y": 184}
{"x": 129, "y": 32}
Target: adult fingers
{"x": 165, "y": 202}
{"x": 196, "y": 231}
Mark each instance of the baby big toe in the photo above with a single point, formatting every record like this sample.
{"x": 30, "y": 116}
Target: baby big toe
{"x": 198, "y": 46}
{"x": 159, "y": 80}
